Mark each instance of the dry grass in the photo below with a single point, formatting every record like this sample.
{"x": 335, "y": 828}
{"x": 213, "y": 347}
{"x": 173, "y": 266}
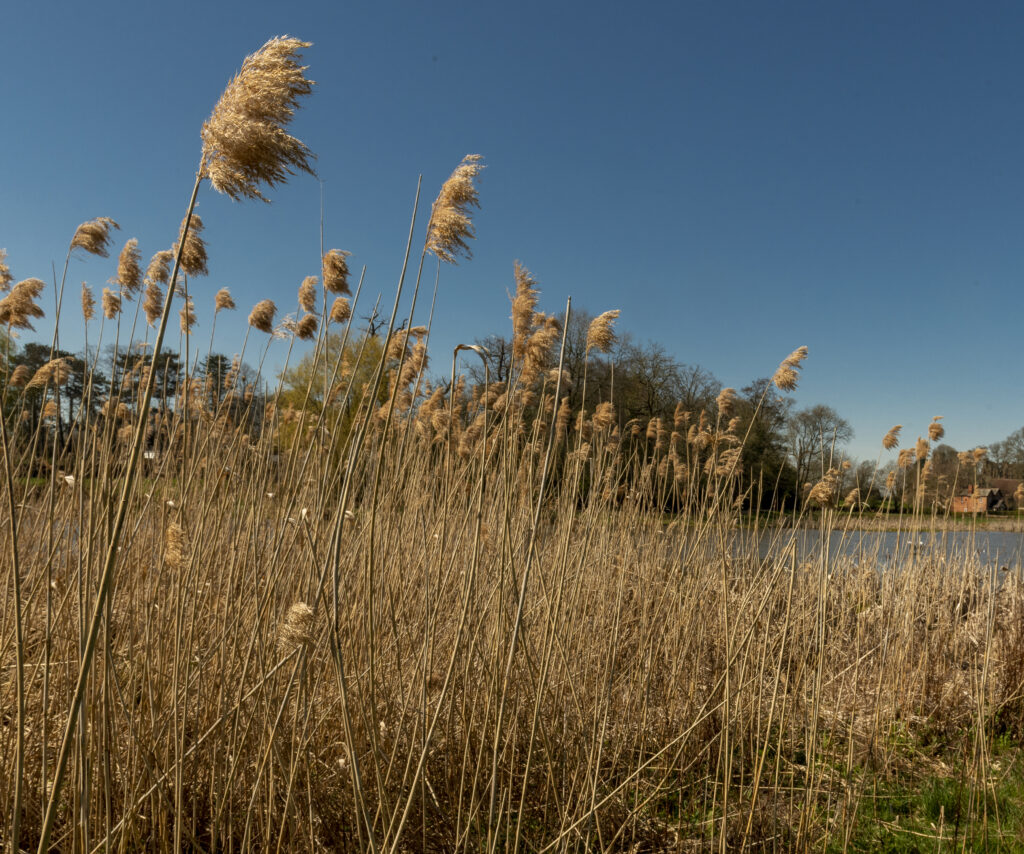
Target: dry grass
{"x": 419, "y": 618}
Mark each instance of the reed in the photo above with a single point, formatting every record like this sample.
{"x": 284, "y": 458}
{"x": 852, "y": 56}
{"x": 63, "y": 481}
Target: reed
{"x": 383, "y": 611}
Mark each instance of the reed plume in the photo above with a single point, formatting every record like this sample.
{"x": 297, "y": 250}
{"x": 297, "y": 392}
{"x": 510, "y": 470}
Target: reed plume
{"x": 335, "y": 271}
{"x": 262, "y": 316}
{"x": 188, "y": 316}
{"x": 539, "y": 346}
{"x": 341, "y": 310}
{"x": 523, "y": 305}
{"x": 5, "y": 272}
{"x": 450, "y": 226}
{"x": 921, "y": 449}
{"x": 297, "y": 626}
{"x": 129, "y": 273}
{"x": 935, "y": 430}
{"x": 57, "y": 371}
{"x": 306, "y": 328}
{"x": 980, "y": 454}
{"x": 892, "y": 438}
{"x": 88, "y": 303}
{"x": 726, "y": 399}
{"x": 21, "y": 376}
{"x": 153, "y": 304}
{"x": 245, "y": 143}
{"x": 604, "y": 415}
{"x": 786, "y": 375}
{"x": 159, "y": 269}
{"x": 307, "y": 293}
{"x": 19, "y": 306}
{"x": 601, "y": 333}
{"x": 823, "y": 492}
{"x": 176, "y": 546}
{"x": 905, "y": 459}
{"x": 193, "y": 254}
{"x": 223, "y": 300}
{"x": 94, "y": 236}
{"x": 111, "y": 304}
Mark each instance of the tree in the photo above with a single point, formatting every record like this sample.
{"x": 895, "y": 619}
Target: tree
{"x": 814, "y": 436}
{"x": 764, "y": 414}
{"x": 353, "y": 370}
{"x": 498, "y": 357}
{"x": 649, "y": 383}
{"x": 869, "y": 480}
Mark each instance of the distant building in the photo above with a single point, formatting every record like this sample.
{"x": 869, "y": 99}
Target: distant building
{"x": 983, "y": 500}
{"x": 1011, "y": 489}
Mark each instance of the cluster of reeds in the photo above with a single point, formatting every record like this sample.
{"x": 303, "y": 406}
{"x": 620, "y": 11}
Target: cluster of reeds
{"x": 410, "y": 614}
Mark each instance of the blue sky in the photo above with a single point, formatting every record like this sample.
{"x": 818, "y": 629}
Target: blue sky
{"x": 738, "y": 178}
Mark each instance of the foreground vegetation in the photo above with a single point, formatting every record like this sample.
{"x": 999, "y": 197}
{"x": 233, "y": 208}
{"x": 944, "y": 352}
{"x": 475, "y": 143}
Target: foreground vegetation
{"x": 403, "y": 616}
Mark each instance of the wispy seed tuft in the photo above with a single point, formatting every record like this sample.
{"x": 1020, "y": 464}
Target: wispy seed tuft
{"x": 245, "y": 143}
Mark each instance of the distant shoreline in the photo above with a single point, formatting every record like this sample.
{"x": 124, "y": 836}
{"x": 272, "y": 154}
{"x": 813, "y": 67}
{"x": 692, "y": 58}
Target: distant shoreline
{"x": 895, "y": 522}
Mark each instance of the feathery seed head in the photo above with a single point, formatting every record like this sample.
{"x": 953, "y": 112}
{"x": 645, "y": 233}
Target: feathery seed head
{"x": 307, "y": 293}
{"x": 21, "y": 376}
{"x": 604, "y": 415}
{"x": 786, "y": 376}
{"x": 335, "y": 271}
{"x": 19, "y": 306}
{"x": 980, "y": 454}
{"x": 601, "y": 333}
{"x": 297, "y": 626}
{"x": 5, "y": 272}
{"x": 341, "y": 310}
{"x": 935, "y": 430}
{"x": 176, "y": 546}
{"x": 523, "y": 305}
{"x": 262, "y": 316}
{"x": 539, "y": 346}
{"x": 726, "y": 399}
{"x": 905, "y": 459}
{"x": 223, "y": 301}
{"x": 159, "y": 268}
{"x": 111, "y": 303}
{"x": 305, "y": 329}
{"x": 823, "y": 492}
{"x": 56, "y": 371}
{"x": 129, "y": 273}
{"x": 193, "y": 255}
{"x": 153, "y": 304}
{"x": 450, "y": 226}
{"x": 94, "y": 236}
{"x": 88, "y": 303}
{"x": 794, "y": 359}
{"x": 245, "y": 143}
{"x": 188, "y": 316}
{"x": 892, "y": 438}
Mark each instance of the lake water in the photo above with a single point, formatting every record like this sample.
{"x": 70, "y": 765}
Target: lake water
{"x": 889, "y": 548}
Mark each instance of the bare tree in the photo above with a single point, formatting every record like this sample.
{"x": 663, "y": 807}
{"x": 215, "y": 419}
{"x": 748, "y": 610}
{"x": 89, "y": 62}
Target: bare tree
{"x": 816, "y": 436}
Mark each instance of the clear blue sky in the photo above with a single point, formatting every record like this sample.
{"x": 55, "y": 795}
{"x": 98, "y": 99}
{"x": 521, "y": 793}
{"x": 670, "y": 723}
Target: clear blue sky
{"x": 739, "y": 179}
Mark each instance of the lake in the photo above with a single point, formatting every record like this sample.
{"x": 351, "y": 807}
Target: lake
{"x": 890, "y": 548}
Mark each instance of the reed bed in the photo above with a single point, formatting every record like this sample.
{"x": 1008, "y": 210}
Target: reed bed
{"x": 413, "y": 615}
